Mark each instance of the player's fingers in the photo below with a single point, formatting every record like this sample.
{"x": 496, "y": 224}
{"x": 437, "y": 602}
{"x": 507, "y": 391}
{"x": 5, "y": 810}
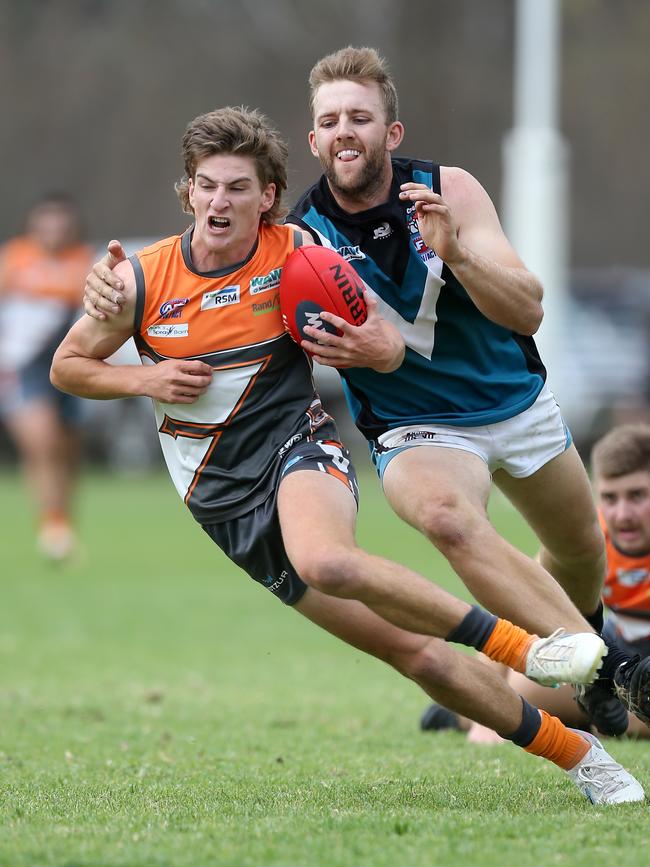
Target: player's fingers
{"x": 372, "y": 309}
{"x": 336, "y": 321}
{"x": 412, "y": 185}
{"x": 431, "y": 208}
{"x": 324, "y": 338}
{"x": 115, "y": 253}
{"x": 100, "y": 302}
{"x": 419, "y": 196}
{"x": 196, "y": 367}
{"x": 92, "y": 311}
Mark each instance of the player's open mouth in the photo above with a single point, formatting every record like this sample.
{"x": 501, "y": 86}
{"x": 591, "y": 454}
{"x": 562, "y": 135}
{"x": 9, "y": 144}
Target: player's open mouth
{"x": 348, "y": 154}
{"x": 218, "y": 222}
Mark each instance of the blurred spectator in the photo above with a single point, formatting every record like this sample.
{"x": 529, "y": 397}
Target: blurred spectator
{"x": 41, "y": 280}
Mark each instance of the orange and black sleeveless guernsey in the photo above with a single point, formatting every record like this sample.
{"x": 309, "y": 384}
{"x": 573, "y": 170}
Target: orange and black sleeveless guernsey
{"x": 627, "y": 584}
{"x": 223, "y": 452}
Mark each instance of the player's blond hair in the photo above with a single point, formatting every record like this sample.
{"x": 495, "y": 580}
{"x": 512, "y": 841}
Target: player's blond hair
{"x": 625, "y": 449}
{"x": 356, "y": 64}
{"x": 242, "y": 131}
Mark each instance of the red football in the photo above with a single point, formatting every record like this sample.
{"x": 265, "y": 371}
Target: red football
{"x": 314, "y": 279}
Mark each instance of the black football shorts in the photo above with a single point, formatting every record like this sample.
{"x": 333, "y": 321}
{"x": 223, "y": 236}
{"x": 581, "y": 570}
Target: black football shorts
{"x": 254, "y": 542}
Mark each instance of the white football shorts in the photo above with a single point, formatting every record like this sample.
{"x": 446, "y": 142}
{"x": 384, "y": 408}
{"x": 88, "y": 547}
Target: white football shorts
{"x": 520, "y": 445}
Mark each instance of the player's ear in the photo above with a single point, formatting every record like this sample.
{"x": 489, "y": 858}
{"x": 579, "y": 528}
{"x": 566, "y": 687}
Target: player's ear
{"x": 268, "y": 198}
{"x": 394, "y": 135}
{"x": 190, "y": 192}
{"x": 312, "y": 142}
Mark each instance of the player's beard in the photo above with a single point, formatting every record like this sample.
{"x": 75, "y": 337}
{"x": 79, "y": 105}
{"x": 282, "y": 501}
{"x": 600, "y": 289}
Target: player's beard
{"x": 366, "y": 183}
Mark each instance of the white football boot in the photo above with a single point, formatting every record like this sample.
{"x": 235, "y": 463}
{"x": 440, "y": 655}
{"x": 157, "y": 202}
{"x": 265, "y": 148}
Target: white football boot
{"x": 565, "y": 657}
{"x": 601, "y": 779}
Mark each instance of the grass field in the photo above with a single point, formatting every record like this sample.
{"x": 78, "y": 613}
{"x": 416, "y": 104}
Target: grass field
{"x": 158, "y": 708}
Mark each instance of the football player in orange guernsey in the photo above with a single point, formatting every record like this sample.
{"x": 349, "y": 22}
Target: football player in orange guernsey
{"x": 41, "y": 273}
{"x": 621, "y": 468}
{"x": 258, "y": 461}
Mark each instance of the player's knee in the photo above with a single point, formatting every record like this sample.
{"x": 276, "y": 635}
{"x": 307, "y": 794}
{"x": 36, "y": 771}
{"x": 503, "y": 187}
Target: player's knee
{"x": 593, "y": 543}
{"x": 431, "y": 665}
{"x": 446, "y": 523}
{"x": 585, "y": 547}
{"x": 332, "y": 570}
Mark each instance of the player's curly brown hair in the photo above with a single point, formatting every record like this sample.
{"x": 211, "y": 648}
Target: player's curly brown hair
{"x": 356, "y": 64}
{"x": 625, "y": 449}
{"x": 242, "y": 131}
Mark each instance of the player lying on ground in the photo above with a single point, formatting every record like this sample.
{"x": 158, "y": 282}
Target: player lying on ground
{"x": 469, "y": 403}
{"x": 621, "y": 466}
{"x": 258, "y": 461}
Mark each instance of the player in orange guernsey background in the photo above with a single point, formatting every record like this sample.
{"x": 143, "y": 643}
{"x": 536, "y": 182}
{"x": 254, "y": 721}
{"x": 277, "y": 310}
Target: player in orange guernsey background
{"x": 621, "y": 470}
{"x": 258, "y": 461}
{"x": 41, "y": 274}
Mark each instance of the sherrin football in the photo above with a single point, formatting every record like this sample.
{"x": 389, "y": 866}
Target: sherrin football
{"x": 314, "y": 279}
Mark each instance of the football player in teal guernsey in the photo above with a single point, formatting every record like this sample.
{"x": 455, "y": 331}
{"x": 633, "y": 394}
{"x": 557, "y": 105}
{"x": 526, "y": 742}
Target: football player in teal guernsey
{"x": 469, "y": 403}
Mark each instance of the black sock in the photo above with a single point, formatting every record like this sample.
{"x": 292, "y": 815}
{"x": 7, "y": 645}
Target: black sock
{"x": 474, "y": 629}
{"x": 531, "y": 722}
{"x": 597, "y": 619}
{"x": 615, "y": 657}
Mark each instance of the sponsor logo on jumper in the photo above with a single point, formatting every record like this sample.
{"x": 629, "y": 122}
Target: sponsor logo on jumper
{"x": 419, "y": 435}
{"x": 220, "y": 298}
{"x": 425, "y": 252}
{"x": 267, "y": 306}
{"x": 631, "y": 577}
{"x": 385, "y": 230}
{"x": 273, "y": 583}
{"x": 349, "y": 252}
{"x": 265, "y": 282}
{"x": 173, "y": 309}
{"x": 290, "y": 443}
{"x": 168, "y": 330}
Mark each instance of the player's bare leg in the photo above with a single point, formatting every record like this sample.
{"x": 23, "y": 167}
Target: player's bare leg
{"x": 48, "y": 452}
{"x": 462, "y": 682}
{"x": 558, "y": 503}
{"x": 458, "y": 681}
{"x": 318, "y": 518}
{"x": 318, "y": 515}
{"x": 443, "y": 493}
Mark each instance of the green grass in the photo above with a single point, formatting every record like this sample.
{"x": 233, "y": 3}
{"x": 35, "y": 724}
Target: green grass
{"x": 158, "y": 708}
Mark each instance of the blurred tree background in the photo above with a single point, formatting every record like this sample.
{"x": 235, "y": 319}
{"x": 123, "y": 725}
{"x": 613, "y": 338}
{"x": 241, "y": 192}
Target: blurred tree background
{"x": 97, "y": 94}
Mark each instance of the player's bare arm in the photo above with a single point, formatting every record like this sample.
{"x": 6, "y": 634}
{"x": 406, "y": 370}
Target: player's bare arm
{"x": 103, "y": 292}
{"x": 463, "y": 228}
{"x": 79, "y": 366}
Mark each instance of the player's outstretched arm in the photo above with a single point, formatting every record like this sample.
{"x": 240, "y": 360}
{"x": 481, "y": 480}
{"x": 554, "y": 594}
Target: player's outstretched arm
{"x": 103, "y": 292}
{"x": 376, "y": 344}
{"x": 79, "y": 366}
{"x": 463, "y": 228}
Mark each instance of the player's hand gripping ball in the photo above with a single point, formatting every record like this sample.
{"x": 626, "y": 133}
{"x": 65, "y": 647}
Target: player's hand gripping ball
{"x": 314, "y": 279}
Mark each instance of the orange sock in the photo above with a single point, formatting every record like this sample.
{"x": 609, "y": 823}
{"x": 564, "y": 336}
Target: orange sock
{"x": 509, "y": 644}
{"x": 555, "y": 742}
{"x": 55, "y": 516}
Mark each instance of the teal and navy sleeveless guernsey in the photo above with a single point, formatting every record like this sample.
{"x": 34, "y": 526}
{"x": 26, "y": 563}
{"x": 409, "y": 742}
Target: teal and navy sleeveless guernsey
{"x": 460, "y": 367}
